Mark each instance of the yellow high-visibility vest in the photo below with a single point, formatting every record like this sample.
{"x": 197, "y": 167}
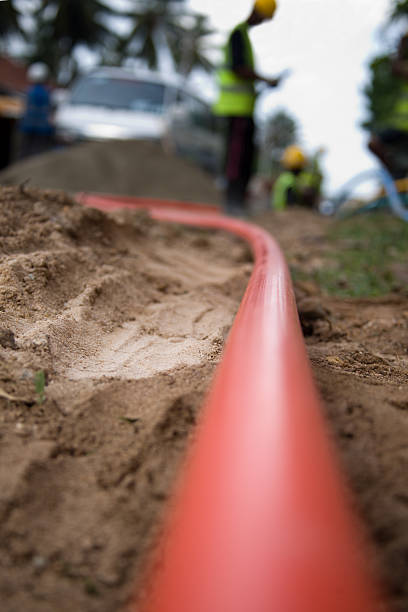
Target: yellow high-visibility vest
{"x": 290, "y": 181}
{"x": 237, "y": 96}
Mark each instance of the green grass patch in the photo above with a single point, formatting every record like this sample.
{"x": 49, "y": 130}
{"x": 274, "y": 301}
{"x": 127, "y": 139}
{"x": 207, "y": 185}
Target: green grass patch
{"x": 362, "y": 255}
{"x": 39, "y": 382}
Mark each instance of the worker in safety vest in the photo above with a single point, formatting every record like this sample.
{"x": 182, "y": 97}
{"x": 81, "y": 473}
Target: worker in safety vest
{"x": 297, "y": 185}
{"x": 390, "y": 142}
{"x": 236, "y": 102}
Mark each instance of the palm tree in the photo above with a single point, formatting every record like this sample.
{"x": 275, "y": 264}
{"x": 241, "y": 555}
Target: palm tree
{"x": 64, "y": 25}
{"x": 165, "y": 25}
{"x": 192, "y": 52}
{"x": 155, "y": 25}
{"x": 9, "y": 23}
{"x": 399, "y": 9}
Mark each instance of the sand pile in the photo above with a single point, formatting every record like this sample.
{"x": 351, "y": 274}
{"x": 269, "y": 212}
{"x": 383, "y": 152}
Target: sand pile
{"x": 123, "y": 167}
{"x": 124, "y": 320}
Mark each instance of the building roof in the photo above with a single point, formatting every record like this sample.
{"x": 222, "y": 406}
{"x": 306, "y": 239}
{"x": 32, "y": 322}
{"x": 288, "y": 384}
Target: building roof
{"x": 13, "y": 75}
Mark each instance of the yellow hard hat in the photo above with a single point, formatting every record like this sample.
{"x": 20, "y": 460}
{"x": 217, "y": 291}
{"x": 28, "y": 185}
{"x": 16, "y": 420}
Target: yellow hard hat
{"x": 266, "y": 8}
{"x": 293, "y": 157}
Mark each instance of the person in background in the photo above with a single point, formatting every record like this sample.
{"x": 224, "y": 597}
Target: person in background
{"x": 297, "y": 184}
{"x": 236, "y": 103}
{"x": 35, "y": 126}
{"x": 390, "y": 143}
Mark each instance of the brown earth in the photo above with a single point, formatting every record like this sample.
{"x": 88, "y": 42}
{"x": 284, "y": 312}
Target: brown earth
{"x": 126, "y": 318}
{"x": 121, "y": 167}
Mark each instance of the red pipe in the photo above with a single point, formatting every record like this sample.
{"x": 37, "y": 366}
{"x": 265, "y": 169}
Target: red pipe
{"x": 261, "y": 519}
{"x": 108, "y": 202}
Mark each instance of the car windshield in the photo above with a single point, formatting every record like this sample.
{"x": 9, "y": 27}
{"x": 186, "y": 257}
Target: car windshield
{"x": 125, "y": 94}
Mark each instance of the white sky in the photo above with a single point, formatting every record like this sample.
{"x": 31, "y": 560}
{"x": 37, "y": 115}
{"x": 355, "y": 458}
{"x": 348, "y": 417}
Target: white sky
{"x": 327, "y": 44}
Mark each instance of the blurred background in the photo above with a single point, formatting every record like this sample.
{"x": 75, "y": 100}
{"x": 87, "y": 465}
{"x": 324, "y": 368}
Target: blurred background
{"x": 146, "y": 69}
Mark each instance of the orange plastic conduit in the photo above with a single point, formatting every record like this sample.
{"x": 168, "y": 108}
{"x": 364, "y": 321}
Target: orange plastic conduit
{"x": 106, "y": 202}
{"x": 261, "y": 519}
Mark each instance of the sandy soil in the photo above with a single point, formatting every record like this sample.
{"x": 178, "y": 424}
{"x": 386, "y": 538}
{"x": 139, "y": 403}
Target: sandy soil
{"x": 121, "y": 167}
{"x": 127, "y": 318}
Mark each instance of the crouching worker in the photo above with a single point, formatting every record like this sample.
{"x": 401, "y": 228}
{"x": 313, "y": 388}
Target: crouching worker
{"x": 296, "y": 185}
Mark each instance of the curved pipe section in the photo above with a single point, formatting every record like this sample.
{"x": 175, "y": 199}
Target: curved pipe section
{"x": 105, "y": 202}
{"x": 260, "y": 520}
{"x": 390, "y": 188}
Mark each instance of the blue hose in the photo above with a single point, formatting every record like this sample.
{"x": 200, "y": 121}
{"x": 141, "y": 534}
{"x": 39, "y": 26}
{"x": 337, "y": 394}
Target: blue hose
{"x": 394, "y": 200}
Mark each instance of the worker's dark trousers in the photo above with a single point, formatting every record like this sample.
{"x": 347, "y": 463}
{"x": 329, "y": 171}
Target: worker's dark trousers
{"x": 239, "y": 161}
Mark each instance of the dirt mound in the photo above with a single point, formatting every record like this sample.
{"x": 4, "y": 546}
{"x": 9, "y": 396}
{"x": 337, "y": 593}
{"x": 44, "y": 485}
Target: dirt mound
{"x": 123, "y": 167}
{"x": 110, "y": 328}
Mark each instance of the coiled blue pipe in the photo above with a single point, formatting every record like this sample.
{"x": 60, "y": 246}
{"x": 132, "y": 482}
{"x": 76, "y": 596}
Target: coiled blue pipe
{"x": 394, "y": 199}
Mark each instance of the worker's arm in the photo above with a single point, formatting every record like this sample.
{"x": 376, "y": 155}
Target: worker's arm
{"x": 400, "y": 63}
{"x": 239, "y": 65}
{"x": 246, "y": 73}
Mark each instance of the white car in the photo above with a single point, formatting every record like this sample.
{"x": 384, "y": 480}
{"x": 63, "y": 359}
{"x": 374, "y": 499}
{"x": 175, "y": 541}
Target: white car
{"x": 116, "y": 103}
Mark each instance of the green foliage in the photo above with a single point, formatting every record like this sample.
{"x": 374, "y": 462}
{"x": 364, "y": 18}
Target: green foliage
{"x": 399, "y": 9}
{"x": 9, "y": 20}
{"x": 192, "y": 53}
{"x": 91, "y": 587}
{"x": 382, "y": 92}
{"x": 39, "y": 382}
{"x": 159, "y": 24}
{"x": 61, "y": 26}
{"x": 384, "y": 87}
{"x": 361, "y": 255}
{"x": 278, "y": 132}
